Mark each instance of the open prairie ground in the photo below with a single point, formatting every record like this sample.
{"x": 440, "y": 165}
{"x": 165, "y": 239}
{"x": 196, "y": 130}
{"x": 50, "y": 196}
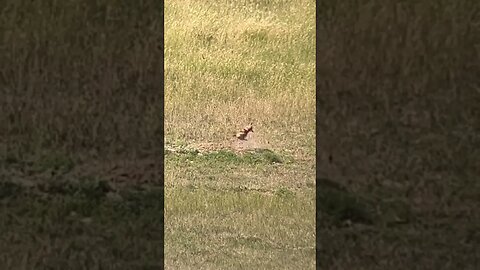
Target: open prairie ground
{"x": 233, "y": 204}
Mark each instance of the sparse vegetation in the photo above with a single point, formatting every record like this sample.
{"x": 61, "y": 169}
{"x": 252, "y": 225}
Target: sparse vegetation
{"x": 228, "y": 64}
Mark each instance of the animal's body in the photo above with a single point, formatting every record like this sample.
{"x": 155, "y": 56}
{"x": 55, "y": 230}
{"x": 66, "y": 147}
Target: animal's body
{"x": 242, "y": 135}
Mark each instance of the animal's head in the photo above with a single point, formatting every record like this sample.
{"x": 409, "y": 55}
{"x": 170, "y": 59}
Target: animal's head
{"x": 249, "y": 128}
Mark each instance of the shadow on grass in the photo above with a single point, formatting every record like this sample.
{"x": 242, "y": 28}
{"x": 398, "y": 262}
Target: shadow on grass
{"x": 340, "y": 207}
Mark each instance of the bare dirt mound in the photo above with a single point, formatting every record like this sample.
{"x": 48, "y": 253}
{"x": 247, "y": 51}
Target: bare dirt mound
{"x": 252, "y": 142}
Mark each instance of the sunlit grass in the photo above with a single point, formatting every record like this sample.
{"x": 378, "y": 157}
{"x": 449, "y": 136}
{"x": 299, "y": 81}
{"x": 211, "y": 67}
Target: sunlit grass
{"x": 228, "y": 64}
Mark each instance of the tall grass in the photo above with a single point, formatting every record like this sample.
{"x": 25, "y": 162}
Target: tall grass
{"x": 230, "y": 63}
{"x": 80, "y": 76}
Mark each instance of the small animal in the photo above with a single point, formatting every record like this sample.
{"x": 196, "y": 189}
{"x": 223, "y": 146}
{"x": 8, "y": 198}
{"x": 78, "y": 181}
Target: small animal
{"x": 242, "y": 135}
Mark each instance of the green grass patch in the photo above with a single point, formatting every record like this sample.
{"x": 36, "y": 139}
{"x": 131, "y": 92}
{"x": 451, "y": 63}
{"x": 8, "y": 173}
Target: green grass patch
{"x": 226, "y": 157}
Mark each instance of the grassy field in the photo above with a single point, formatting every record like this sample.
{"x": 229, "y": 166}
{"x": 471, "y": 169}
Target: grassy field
{"x": 398, "y": 114}
{"x": 81, "y": 135}
{"x": 228, "y": 64}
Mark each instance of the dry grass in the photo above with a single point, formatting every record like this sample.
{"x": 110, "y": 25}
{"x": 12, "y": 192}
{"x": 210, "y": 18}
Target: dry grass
{"x": 228, "y": 64}
{"x": 397, "y": 110}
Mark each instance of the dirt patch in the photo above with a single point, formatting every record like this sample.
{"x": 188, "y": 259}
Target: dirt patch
{"x": 252, "y": 142}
